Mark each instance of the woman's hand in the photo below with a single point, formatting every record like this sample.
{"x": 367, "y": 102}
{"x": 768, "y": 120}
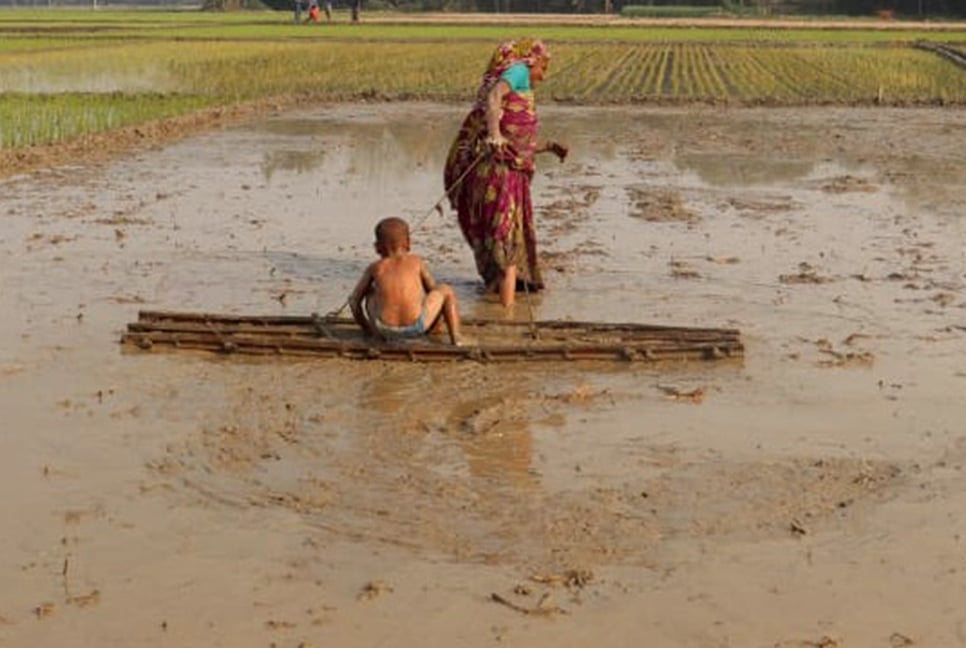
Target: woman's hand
{"x": 557, "y": 148}
{"x": 496, "y": 142}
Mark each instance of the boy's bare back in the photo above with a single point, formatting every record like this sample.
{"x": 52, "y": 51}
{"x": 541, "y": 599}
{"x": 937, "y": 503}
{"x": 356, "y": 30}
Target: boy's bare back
{"x": 398, "y": 288}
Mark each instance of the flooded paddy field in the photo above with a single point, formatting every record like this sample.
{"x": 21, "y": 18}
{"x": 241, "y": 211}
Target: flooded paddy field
{"x": 809, "y": 495}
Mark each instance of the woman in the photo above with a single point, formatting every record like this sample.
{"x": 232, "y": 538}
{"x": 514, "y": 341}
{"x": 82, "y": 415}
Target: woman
{"x": 491, "y": 164}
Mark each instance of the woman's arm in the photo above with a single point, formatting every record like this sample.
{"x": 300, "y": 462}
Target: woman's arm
{"x": 494, "y": 113}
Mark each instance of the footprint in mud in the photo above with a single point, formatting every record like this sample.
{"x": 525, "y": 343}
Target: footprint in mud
{"x": 374, "y": 589}
{"x": 823, "y": 642}
{"x": 563, "y": 215}
{"x": 761, "y": 207}
{"x": 848, "y": 184}
{"x": 660, "y": 206}
{"x": 683, "y": 270}
{"x": 807, "y": 274}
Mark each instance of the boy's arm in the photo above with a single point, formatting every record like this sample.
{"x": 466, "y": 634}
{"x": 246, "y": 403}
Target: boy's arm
{"x": 424, "y": 275}
{"x": 355, "y": 302}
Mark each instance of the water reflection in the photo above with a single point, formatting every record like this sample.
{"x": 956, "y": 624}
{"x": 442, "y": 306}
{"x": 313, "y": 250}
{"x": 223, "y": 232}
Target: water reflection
{"x": 492, "y": 430}
{"x": 288, "y": 160}
{"x": 395, "y": 394}
{"x": 385, "y": 150}
{"x": 389, "y": 147}
{"x": 313, "y": 267}
{"x": 741, "y": 170}
{"x": 503, "y": 456}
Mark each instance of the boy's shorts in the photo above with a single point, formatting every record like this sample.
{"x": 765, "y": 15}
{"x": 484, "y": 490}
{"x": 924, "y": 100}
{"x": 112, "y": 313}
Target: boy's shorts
{"x": 414, "y": 330}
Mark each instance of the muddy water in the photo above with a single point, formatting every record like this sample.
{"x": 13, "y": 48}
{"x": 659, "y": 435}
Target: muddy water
{"x": 812, "y": 492}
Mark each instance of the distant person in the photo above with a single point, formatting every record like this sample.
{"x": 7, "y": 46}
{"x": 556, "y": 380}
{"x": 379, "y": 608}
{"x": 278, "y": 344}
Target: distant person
{"x": 490, "y": 166}
{"x": 314, "y": 12}
{"x": 397, "y": 297}
{"x": 355, "y": 6}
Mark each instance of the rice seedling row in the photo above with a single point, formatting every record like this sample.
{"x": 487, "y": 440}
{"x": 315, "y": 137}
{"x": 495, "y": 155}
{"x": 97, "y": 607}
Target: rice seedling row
{"x": 704, "y": 74}
{"x": 749, "y": 78}
{"x": 719, "y": 69}
{"x": 615, "y": 72}
{"x": 661, "y": 73}
{"x": 581, "y": 73}
{"x": 685, "y": 83}
{"x": 831, "y": 68}
{"x": 802, "y": 79}
{"x": 612, "y": 77}
{"x": 647, "y": 83}
{"x": 753, "y": 79}
{"x": 699, "y": 74}
{"x": 203, "y": 73}
{"x": 681, "y": 82}
{"x": 30, "y": 120}
{"x": 669, "y": 85}
{"x": 709, "y": 73}
{"x": 634, "y": 80}
{"x": 732, "y": 64}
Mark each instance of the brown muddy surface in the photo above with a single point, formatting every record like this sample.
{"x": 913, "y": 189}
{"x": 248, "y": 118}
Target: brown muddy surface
{"x": 809, "y": 496}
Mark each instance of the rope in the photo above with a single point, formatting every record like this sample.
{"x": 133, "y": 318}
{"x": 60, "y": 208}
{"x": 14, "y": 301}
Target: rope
{"x": 438, "y": 206}
{"x": 533, "y": 322}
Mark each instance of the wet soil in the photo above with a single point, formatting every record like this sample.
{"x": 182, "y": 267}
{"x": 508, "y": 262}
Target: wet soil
{"x": 808, "y": 496}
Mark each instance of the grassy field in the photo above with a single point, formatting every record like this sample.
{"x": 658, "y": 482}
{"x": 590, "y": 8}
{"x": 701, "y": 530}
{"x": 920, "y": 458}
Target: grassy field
{"x": 65, "y": 74}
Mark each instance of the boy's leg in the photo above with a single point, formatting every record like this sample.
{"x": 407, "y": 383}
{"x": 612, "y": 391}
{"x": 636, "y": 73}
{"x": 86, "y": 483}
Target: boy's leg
{"x": 442, "y": 299}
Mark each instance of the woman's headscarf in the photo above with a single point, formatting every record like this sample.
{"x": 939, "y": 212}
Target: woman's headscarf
{"x": 524, "y": 50}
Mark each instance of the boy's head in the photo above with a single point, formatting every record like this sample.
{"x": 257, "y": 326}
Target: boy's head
{"x": 392, "y": 235}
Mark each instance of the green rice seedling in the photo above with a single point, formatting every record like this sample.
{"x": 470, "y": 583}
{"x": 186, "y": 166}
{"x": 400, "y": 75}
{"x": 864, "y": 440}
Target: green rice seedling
{"x": 579, "y": 72}
{"x": 644, "y": 82}
{"x": 714, "y": 78}
{"x": 691, "y": 74}
{"x": 27, "y": 46}
{"x": 31, "y": 120}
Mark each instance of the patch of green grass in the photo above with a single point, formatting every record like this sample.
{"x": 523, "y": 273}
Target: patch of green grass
{"x": 30, "y": 120}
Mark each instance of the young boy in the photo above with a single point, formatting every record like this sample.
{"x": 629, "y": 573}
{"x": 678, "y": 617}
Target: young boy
{"x": 401, "y": 298}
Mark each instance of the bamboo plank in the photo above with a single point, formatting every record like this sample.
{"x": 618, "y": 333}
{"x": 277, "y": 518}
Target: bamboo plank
{"x": 310, "y": 320}
{"x": 497, "y": 341}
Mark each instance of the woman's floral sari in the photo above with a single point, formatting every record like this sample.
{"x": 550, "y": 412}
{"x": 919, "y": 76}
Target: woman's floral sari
{"x": 491, "y": 191}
